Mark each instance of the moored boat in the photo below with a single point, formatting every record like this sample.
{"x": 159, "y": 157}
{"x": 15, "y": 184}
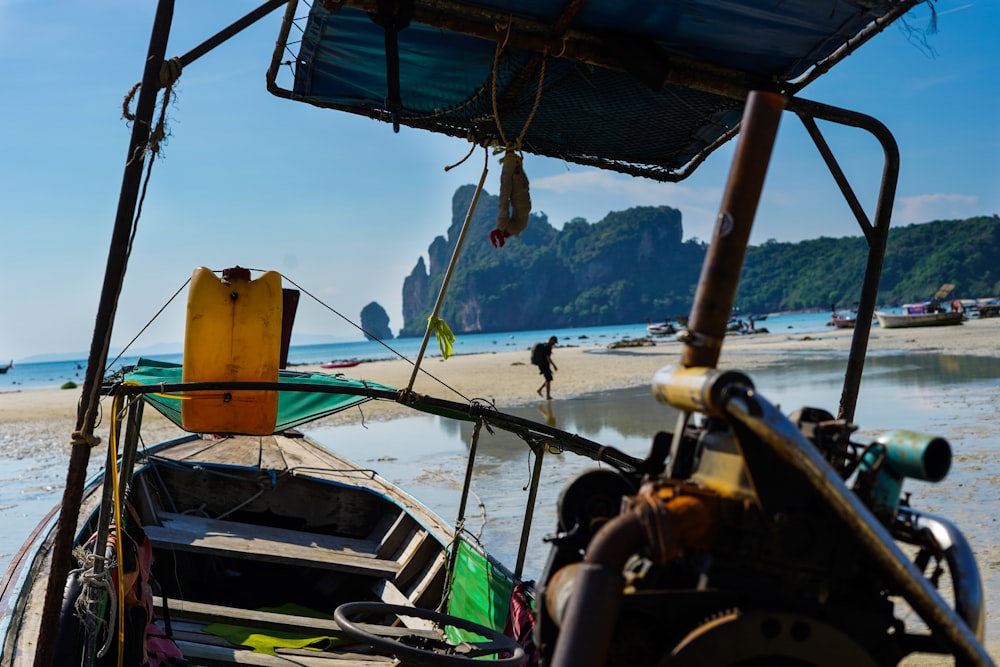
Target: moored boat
{"x": 340, "y": 364}
{"x": 253, "y": 542}
{"x": 664, "y": 328}
{"x": 746, "y": 536}
{"x": 917, "y": 316}
{"x": 841, "y": 321}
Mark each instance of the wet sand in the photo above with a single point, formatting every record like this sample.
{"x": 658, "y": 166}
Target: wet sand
{"x": 42, "y": 419}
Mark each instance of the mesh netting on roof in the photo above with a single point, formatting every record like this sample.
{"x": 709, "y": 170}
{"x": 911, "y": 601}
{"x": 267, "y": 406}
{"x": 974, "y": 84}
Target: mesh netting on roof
{"x": 589, "y": 113}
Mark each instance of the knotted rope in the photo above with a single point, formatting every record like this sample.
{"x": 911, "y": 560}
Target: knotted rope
{"x": 514, "y": 205}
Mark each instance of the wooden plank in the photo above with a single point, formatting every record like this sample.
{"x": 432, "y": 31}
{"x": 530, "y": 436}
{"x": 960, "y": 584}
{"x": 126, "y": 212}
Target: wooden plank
{"x": 279, "y": 545}
{"x": 388, "y": 592}
{"x": 417, "y": 557}
{"x": 210, "y": 656}
{"x": 432, "y": 578}
{"x": 270, "y": 455}
{"x": 210, "y": 613}
{"x": 393, "y": 538}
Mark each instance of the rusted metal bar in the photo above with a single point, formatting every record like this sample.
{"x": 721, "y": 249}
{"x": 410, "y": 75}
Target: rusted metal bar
{"x": 713, "y": 301}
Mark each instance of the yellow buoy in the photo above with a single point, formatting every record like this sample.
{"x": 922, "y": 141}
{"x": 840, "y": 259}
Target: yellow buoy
{"x": 233, "y": 334}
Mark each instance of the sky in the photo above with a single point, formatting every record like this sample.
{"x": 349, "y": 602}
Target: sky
{"x": 344, "y": 207}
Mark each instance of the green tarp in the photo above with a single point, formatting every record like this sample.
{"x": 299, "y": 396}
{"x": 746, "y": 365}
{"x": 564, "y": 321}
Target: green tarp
{"x": 294, "y": 407}
{"x": 480, "y": 592}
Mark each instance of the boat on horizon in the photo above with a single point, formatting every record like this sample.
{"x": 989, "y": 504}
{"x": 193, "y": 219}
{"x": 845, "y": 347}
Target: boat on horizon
{"x": 745, "y": 536}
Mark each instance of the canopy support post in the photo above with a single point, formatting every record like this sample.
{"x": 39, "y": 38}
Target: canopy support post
{"x": 448, "y": 273}
{"x": 876, "y": 233}
{"x": 113, "y": 277}
{"x": 713, "y": 300}
{"x": 529, "y": 510}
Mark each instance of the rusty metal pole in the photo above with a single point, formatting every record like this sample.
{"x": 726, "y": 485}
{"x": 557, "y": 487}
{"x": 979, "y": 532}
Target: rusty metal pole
{"x": 713, "y": 301}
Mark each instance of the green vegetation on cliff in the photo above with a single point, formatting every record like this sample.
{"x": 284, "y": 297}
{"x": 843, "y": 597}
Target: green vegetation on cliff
{"x": 633, "y": 265}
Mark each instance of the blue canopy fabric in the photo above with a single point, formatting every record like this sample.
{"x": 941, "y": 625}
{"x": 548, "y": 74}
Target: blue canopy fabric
{"x": 642, "y": 87}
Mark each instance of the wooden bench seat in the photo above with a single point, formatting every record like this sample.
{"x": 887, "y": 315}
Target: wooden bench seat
{"x": 230, "y": 538}
{"x": 265, "y": 620}
{"x": 187, "y": 619}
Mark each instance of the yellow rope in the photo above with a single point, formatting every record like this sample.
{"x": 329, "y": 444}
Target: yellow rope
{"x": 113, "y": 462}
{"x": 442, "y": 331}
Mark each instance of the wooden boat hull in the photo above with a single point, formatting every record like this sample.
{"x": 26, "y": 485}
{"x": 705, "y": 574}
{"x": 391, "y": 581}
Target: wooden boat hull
{"x": 240, "y": 524}
{"x": 660, "y": 330}
{"x": 340, "y": 364}
{"x": 891, "y": 321}
{"x": 843, "y": 321}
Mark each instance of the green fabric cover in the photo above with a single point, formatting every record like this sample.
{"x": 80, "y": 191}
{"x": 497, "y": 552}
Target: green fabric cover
{"x": 294, "y": 407}
{"x": 480, "y": 592}
{"x": 267, "y": 641}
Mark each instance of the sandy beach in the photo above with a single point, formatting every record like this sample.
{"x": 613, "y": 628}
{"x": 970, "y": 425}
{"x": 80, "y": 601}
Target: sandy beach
{"x": 44, "y": 418}
{"x": 507, "y": 379}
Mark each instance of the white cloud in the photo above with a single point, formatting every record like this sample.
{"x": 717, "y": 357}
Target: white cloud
{"x": 930, "y": 207}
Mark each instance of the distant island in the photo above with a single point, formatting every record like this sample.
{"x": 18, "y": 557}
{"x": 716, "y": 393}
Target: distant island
{"x": 633, "y": 265}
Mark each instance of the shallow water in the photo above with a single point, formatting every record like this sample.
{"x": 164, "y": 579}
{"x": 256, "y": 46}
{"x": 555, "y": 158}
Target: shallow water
{"x": 948, "y": 396}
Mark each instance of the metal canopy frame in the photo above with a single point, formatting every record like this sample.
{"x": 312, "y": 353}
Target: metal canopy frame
{"x": 706, "y": 318}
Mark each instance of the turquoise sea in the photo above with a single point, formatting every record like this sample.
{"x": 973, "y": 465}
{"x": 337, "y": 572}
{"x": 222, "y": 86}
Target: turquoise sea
{"x": 55, "y": 373}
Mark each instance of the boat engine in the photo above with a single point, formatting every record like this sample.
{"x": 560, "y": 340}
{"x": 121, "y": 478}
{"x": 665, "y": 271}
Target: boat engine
{"x": 741, "y": 544}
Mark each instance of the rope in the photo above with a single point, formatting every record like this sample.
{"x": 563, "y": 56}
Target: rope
{"x": 442, "y": 331}
{"x": 119, "y": 538}
{"x": 375, "y": 338}
{"x": 450, "y": 270}
{"x": 147, "y": 325}
{"x": 91, "y": 621}
{"x": 467, "y": 155}
{"x": 514, "y": 199}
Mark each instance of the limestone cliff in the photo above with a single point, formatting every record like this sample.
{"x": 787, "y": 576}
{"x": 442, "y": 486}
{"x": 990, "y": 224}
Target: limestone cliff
{"x": 629, "y": 266}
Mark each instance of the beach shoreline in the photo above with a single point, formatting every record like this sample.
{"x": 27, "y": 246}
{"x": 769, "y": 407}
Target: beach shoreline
{"x": 505, "y": 378}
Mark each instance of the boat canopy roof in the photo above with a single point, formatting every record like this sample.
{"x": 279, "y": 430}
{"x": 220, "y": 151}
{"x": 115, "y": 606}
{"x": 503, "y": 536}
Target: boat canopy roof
{"x": 646, "y": 88}
{"x": 332, "y": 394}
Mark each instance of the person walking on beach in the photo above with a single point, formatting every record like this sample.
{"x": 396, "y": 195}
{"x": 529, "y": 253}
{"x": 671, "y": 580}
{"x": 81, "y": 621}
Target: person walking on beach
{"x": 541, "y": 356}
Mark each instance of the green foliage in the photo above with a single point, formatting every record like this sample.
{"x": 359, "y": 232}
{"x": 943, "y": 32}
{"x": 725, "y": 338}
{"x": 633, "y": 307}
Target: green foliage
{"x": 918, "y": 260}
{"x": 633, "y": 265}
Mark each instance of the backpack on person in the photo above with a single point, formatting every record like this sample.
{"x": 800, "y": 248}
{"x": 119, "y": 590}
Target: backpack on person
{"x": 538, "y": 356}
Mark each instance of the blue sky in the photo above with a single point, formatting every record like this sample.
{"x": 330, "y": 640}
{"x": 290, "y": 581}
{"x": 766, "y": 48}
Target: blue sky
{"x": 345, "y": 207}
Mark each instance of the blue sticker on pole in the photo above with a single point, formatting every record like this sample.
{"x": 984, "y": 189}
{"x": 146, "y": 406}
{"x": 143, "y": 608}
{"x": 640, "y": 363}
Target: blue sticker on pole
{"x": 725, "y": 223}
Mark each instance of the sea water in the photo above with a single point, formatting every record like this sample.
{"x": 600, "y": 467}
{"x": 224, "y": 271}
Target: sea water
{"x": 36, "y": 375}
